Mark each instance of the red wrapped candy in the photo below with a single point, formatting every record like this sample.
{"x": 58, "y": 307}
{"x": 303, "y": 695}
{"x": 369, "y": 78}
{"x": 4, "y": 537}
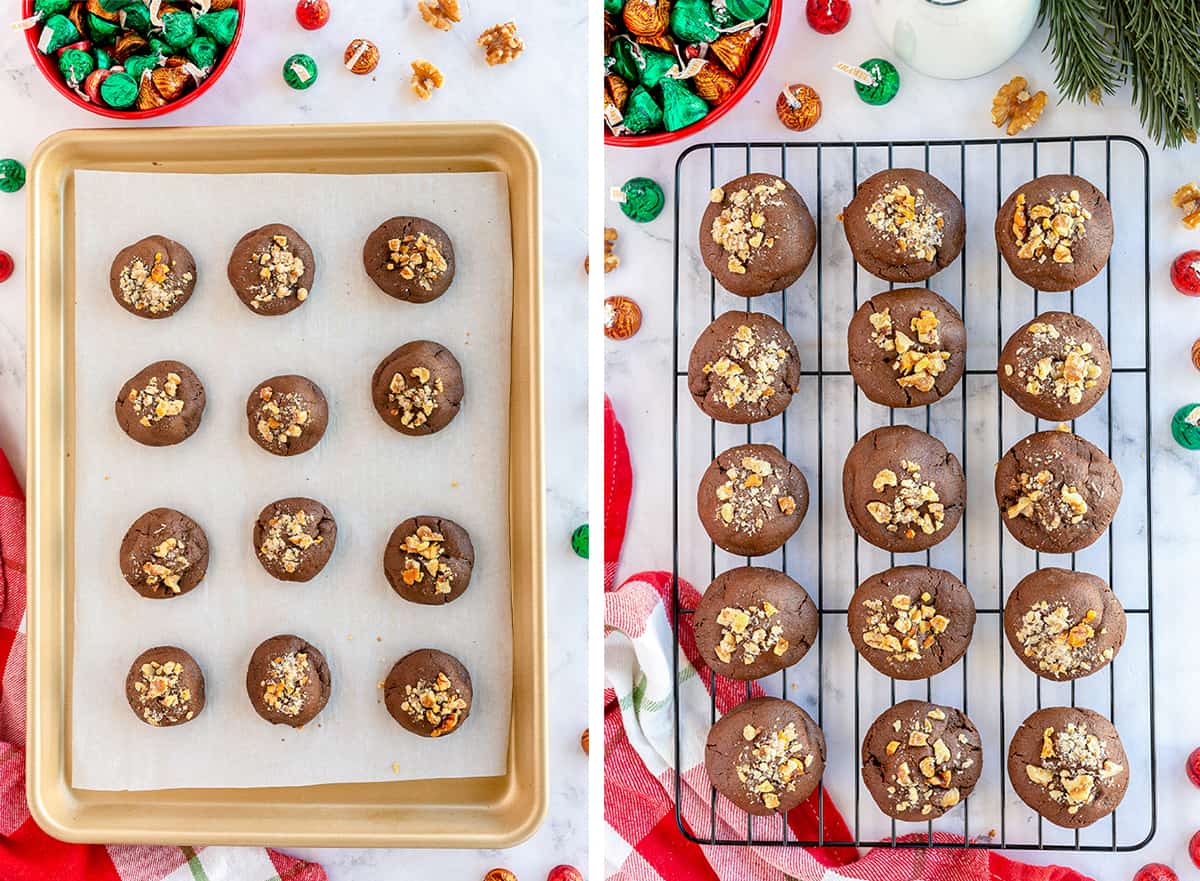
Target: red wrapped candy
{"x": 1185, "y": 273}
{"x": 734, "y": 50}
{"x": 564, "y": 873}
{"x": 312, "y": 14}
{"x": 1155, "y": 872}
{"x": 827, "y": 16}
{"x": 91, "y": 85}
{"x": 1193, "y": 767}
{"x": 1194, "y": 849}
{"x": 6, "y": 266}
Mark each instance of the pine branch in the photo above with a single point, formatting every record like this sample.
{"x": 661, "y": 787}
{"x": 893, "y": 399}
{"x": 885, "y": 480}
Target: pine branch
{"x": 1080, "y": 41}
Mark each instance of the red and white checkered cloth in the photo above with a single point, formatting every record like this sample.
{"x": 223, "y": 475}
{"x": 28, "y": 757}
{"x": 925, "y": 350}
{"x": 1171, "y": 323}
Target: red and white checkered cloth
{"x": 26, "y": 852}
{"x": 643, "y": 841}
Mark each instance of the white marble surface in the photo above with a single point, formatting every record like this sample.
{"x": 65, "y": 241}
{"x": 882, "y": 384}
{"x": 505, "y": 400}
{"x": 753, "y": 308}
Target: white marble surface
{"x": 638, "y": 373}
{"x": 522, "y": 94}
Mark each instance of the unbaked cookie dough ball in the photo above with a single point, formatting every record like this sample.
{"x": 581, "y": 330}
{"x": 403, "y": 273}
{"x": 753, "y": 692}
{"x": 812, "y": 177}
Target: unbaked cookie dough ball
{"x": 288, "y": 681}
{"x": 165, "y": 687}
{"x": 272, "y": 269}
{"x": 161, "y": 405}
{"x": 153, "y": 277}
{"x": 287, "y": 415}
{"x": 410, "y": 258}
{"x": 428, "y": 560}
{"x": 418, "y": 389}
{"x": 294, "y": 538}
{"x": 164, "y": 554}
{"x": 429, "y": 693}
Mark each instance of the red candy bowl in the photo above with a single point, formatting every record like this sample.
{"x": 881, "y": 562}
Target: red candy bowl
{"x": 761, "y": 54}
{"x": 48, "y": 65}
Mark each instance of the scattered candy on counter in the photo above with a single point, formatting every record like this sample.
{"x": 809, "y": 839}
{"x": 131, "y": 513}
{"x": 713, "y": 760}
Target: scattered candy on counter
{"x": 827, "y": 16}
{"x": 300, "y": 71}
{"x": 440, "y": 14}
{"x": 500, "y": 43}
{"x": 1187, "y": 198}
{"x": 1155, "y": 872}
{"x": 584, "y": 742}
{"x": 1194, "y": 849}
{"x": 6, "y": 266}
{"x": 1015, "y": 106}
{"x": 641, "y": 199}
{"x": 883, "y": 84}
{"x": 312, "y": 14}
{"x": 499, "y": 875}
{"x": 1185, "y": 426}
{"x": 1185, "y": 273}
{"x": 425, "y": 78}
{"x": 611, "y": 260}
{"x": 361, "y": 56}
{"x": 1193, "y": 761}
{"x": 623, "y": 318}
{"x": 12, "y": 175}
{"x": 1196, "y": 364}
{"x": 564, "y": 873}
{"x": 798, "y": 107}
{"x": 579, "y": 541}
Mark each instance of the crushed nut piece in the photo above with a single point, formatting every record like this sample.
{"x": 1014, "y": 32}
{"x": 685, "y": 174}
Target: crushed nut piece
{"x": 1187, "y": 198}
{"x": 414, "y": 402}
{"x": 734, "y": 228}
{"x": 611, "y": 260}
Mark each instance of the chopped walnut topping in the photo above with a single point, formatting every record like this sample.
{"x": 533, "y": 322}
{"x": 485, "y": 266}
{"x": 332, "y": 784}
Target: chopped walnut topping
{"x": 425, "y": 553}
{"x": 155, "y": 288}
{"x": 1055, "y": 363}
{"x": 750, "y": 632}
{"x": 154, "y": 403}
{"x": 278, "y": 273}
{"x": 417, "y": 258}
{"x": 438, "y": 703}
{"x": 771, "y": 762}
{"x": 441, "y": 14}
{"x": 908, "y": 218}
{"x": 500, "y": 43}
{"x": 906, "y": 628}
{"x": 287, "y": 537}
{"x": 1187, "y": 198}
{"x": 168, "y": 564}
{"x": 283, "y": 687}
{"x": 1070, "y": 769}
{"x": 611, "y": 260}
{"x": 748, "y": 369}
{"x": 922, "y": 781}
{"x": 425, "y": 78}
{"x": 913, "y": 505}
{"x": 1059, "y": 644}
{"x": 750, "y": 495}
{"x": 162, "y": 693}
{"x": 281, "y": 416}
{"x": 414, "y": 399}
{"x": 740, "y": 227}
{"x": 1049, "y": 230}
{"x": 1047, "y": 500}
{"x": 917, "y": 359}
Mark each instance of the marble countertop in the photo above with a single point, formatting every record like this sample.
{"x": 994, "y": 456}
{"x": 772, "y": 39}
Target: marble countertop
{"x": 252, "y": 91}
{"x": 638, "y": 372}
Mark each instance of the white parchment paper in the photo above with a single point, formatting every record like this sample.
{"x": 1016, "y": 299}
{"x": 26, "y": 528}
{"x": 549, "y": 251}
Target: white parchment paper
{"x": 368, "y": 475}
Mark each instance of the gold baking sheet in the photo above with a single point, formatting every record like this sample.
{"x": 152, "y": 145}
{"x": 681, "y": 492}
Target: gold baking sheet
{"x": 480, "y": 812}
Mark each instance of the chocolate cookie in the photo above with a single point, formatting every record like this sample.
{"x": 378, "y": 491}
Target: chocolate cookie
{"x": 766, "y": 756}
{"x": 161, "y": 405}
{"x": 271, "y": 269}
{"x": 756, "y": 235}
{"x": 429, "y": 693}
{"x": 753, "y": 622}
{"x": 153, "y": 278}
{"x": 1056, "y": 367}
{"x": 1068, "y": 764}
{"x": 751, "y": 499}
{"x": 165, "y": 687}
{"x": 294, "y": 538}
{"x": 288, "y": 681}
{"x": 919, "y": 760}
{"x": 744, "y": 368}
{"x": 164, "y": 554}
{"x": 904, "y": 224}
{"x": 1057, "y": 492}
{"x": 1064, "y": 624}
{"x": 911, "y": 622}
{"x": 907, "y": 347}
{"x": 287, "y": 415}
{"x": 418, "y": 389}
{"x": 1055, "y": 232}
{"x": 410, "y": 258}
{"x": 428, "y": 560}
{"x": 903, "y": 490}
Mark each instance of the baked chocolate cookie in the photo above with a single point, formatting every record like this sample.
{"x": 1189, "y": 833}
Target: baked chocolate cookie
{"x": 919, "y": 760}
{"x": 418, "y": 389}
{"x": 751, "y": 499}
{"x": 1056, "y": 366}
{"x": 766, "y": 756}
{"x": 153, "y": 277}
{"x": 744, "y": 368}
{"x": 904, "y": 224}
{"x": 287, "y": 415}
{"x": 161, "y": 405}
{"x": 164, "y": 554}
{"x": 410, "y": 258}
{"x": 165, "y": 687}
{"x": 1068, "y": 764}
{"x": 288, "y": 681}
{"x": 907, "y": 347}
{"x": 429, "y": 693}
{"x": 756, "y": 236}
{"x": 272, "y": 269}
{"x": 903, "y": 490}
{"x": 294, "y": 538}
{"x": 1055, "y": 232}
{"x": 1057, "y": 492}
{"x": 911, "y": 622}
{"x": 428, "y": 560}
{"x": 753, "y": 621}
{"x": 1064, "y": 624}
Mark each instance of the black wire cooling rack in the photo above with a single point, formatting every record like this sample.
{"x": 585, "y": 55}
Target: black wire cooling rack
{"x": 828, "y": 413}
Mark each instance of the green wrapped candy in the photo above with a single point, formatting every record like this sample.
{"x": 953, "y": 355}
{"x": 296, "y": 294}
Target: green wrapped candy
{"x": 136, "y": 65}
{"x": 58, "y": 31}
{"x": 642, "y": 113}
{"x": 101, "y": 29}
{"x": 644, "y": 199}
{"x": 221, "y": 26}
{"x": 179, "y": 29}
{"x": 118, "y": 5}
{"x": 75, "y": 65}
{"x": 692, "y": 21}
{"x": 203, "y": 52}
{"x": 681, "y": 106}
{"x": 119, "y": 90}
{"x": 579, "y": 541}
{"x": 614, "y": 7}
{"x": 300, "y": 71}
{"x": 136, "y": 18}
{"x": 746, "y": 10}
{"x": 1185, "y": 426}
{"x": 655, "y": 65}
{"x": 103, "y": 59}
{"x": 50, "y": 7}
{"x": 625, "y": 60}
{"x": 159, "y": 49}
{"x": 885, "y": 86}
{"x": 12, "y": 175}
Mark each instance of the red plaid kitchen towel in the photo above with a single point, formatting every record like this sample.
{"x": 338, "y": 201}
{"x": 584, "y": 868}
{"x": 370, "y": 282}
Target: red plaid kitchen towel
{"x": 643, "y": 841}
{"x": 26, "y": 852}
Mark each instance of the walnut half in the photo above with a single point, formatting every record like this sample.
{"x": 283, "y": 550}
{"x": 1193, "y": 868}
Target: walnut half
{"x": 440, "y": 14}
{"x": 425, "y": 79}
{"x": 1013, "y": 104}
{"x": 500, "y": 43}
